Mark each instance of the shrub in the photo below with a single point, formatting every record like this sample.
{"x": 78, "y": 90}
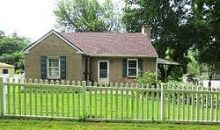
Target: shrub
{"x": 147, "y": 78}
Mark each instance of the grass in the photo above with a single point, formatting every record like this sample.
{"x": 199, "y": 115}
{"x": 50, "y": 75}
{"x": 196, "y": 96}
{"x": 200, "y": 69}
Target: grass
{"x": 69, "y": 104}
{"x": 12, "y": 124}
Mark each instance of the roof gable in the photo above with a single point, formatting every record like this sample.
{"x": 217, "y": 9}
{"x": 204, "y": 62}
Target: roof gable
{"x": 27, "y": 49}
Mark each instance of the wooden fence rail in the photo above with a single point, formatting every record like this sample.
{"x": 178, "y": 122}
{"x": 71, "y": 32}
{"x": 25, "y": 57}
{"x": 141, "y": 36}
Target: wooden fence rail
{"x": 109, "y": 102}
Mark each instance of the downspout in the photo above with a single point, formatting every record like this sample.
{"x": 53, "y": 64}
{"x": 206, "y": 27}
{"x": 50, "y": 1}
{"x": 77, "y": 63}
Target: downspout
{"x": 87, "y": 68}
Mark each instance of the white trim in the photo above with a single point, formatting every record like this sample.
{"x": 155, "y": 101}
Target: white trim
{"x": 52, "y": 57}
{"x": 48, "y": 34}
{"x": 136, "y": 67}
{"x": 107, "y": 61}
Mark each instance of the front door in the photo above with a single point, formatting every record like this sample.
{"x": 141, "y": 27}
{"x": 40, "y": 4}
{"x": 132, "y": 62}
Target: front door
{"x": 103, "y": 71}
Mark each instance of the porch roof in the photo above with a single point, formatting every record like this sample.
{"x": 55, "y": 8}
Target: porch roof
{"x": 166, "y": 62}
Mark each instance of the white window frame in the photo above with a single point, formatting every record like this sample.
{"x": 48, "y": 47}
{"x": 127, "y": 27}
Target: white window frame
{"x": 53, "y": 57}
{"x": 132, "y": 76}
{"x": 107, "y": 61}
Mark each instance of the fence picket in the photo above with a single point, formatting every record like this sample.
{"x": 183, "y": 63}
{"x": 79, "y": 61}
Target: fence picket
{"x": 2, "y": 94}
{"x": 211, "y": 111}
{"x": 106, "y": 102}
{"x": 41, "y": 97}
{"x": 173, "y": 105}
{"x": 19, "y": 98}
{"x": 132, "y": 102}
{"x": 126, "y": 100}
{"x": 122, "y": 100}
{"x": 116, "y": 101}
{"x": 111, "y": 101}
{"x": 51, "y": 98}
{"x": 9, "y": 98}
{"x": 78, "y": 93}
{"x": 168, "y": 103}
{"x": 90, "y": 98}
{"x": 206, "y": 106}
{"x": 147, "y": 102}
{"x": 14, "y": 102}
{"x": 73, "y": 99}
{"x": 100, "y": 105}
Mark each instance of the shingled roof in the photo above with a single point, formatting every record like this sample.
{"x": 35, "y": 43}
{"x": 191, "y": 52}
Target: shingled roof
{"x": 106, "y": 44}
{"x": 112, "y": 44}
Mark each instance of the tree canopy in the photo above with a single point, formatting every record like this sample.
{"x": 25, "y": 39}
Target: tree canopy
{"x": 11, "y": 49}
{"x": 168, "y": 20}
{"x": 87, "y": 15}
{"x": 205, "y": 23}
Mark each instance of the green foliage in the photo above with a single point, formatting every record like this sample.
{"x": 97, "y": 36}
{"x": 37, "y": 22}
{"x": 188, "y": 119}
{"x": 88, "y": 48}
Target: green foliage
{"x": 87, "y": 15}
{"x": 11, "y": 50}
{"x": 147, "y": 78}
{"x": 193, "y": 66}
{"x": 168, "y": 20}
{"x": 9, "y": 45}
{"x": 206, "y": 33}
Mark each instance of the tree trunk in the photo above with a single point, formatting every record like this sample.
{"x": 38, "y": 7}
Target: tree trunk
{"x": 165, "y": 71}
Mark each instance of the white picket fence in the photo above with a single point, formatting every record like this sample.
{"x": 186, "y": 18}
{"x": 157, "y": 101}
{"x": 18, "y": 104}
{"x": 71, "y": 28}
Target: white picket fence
{"x": 110, "y": 102}
{"x": 214, "y": 83}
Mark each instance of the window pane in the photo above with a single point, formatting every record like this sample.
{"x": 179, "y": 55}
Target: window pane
{"x": 132, "y": 68}
{"x": 103, "y": 73}
{"x": 54, "y": 62}
{"x": 103, "y": 65}
{"x": 133, "y": 63}
{"x": 103, "y": 69}
{"x": 53, "y": 70}
{"x": 132, "y": 72}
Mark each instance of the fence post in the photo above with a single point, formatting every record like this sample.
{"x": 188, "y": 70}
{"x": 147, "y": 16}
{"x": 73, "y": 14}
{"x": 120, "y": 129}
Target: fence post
{"x": 162, "y": 96}
{"x": 84, "y": 98}
{"x": 2, "y": 93}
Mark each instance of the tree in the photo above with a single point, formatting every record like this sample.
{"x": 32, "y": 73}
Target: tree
{"x": 11, "y": 50}
{"x": 87, "y": 16}
{"x": 206, "y": 30}
{"x": 168, "y": 20}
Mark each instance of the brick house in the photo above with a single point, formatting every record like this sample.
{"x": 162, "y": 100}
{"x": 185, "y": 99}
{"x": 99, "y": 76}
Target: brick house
{"x": 102, "y": 57}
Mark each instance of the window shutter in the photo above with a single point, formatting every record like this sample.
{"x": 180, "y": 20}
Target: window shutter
{"x": 43, "y": 67}
{"x": 124, "y": 68}
{"x": 63, "y": 67}
{"x": 140, "y": 65}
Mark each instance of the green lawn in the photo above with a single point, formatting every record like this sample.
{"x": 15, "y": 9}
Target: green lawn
{"x": 7, "y": 124}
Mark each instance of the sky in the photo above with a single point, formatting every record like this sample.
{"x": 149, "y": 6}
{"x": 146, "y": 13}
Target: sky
{"x": 29, "y": 18}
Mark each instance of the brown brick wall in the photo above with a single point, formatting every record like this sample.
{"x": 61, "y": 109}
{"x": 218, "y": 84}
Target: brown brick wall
{"x": 54, "y": 46}
{"x": 115, "y": 68}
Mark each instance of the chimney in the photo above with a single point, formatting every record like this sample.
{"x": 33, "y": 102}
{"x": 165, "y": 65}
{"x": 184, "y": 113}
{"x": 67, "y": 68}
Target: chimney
{"x": 146, "y": 30}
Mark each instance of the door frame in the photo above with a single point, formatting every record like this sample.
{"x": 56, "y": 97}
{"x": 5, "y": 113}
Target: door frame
{"x": 108, "y": 72}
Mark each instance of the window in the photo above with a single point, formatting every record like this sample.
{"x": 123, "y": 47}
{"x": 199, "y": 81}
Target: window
{"x": 5, "y": 71}
{"x": 53, "y": 69}
{"x": 132, "y": 67}
{"x": 103, "y": 68}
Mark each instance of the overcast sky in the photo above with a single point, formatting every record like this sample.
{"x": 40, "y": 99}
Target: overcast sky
{"x": 29, "y": 18}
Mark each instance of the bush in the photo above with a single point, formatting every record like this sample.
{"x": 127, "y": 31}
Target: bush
{"x": 147, "y": 78}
